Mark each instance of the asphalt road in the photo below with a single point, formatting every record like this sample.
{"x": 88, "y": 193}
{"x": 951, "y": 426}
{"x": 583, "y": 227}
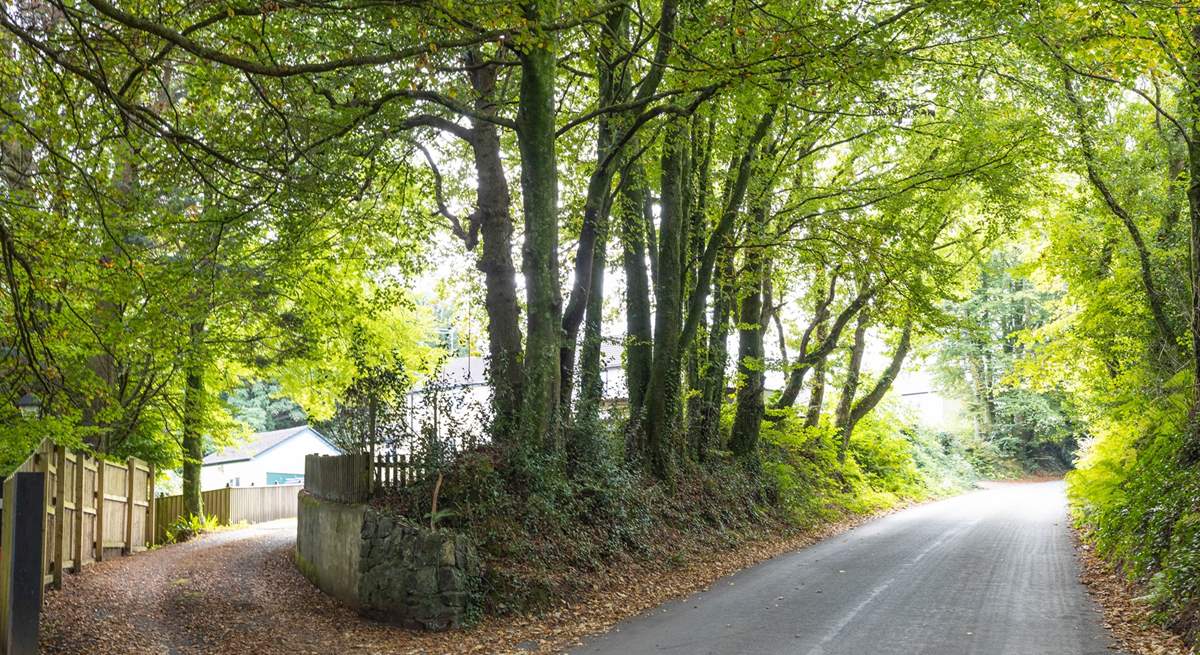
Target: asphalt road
{"x": 992, "y": 572}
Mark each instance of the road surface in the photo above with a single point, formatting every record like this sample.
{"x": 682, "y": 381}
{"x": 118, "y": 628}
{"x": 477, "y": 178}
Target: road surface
{"x": 988, "y": 573}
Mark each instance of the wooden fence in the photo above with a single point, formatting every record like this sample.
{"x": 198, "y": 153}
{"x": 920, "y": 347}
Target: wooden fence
{"x": 92, "y": 506}
{"x": 354, "y": 477}
{"x": 233, "y": 505}
{"x": 393, "y": 470}
{"x": 340, "y": 478}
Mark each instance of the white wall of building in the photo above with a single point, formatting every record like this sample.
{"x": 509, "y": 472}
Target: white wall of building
{"x": 286, "y": 457}
{"x": 919, "y": 394}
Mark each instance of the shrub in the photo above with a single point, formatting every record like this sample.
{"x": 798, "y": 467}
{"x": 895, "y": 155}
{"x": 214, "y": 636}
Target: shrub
{"x": 190, "y": 526}
{"x": 887, "y": 463}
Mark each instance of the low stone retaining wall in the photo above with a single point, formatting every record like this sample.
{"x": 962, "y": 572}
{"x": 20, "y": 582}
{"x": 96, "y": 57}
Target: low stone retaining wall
{"x": 387, "y": 569}
{"x": 328, "y": 544}
{"x": 415, "y": 577}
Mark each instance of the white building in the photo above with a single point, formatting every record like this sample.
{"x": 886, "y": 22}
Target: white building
{"x": 266, "y": 458}
{"x": 918, "y": 392}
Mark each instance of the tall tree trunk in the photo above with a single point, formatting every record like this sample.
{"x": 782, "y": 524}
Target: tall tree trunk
{"x": 863, "y": 406}
{"x": 696, "y": 352}
{"x": 192, "y": 421}
{"x": 850, "y": 387}
{"x": 708, "y": 428}
{"x": 797, "y": 369}
{"x": 595, "y": 210}
{"x": 589, "y": 243}
{"x": 1177, "y": 164}
{"x": 591, "y": 376}
{"x": 694, "y": 361}
{"x": 638, "y": 337}
{"x": 1154, "y": 299}
{"x": 500, "y": 277}
{"x": 737, "y": 181}
{"x": 816, "y": 390}
{"x": 808, "y": 357}
{"x": 539, "y": 191}
{"x": 610, "y": 142}
{"x": 1192, "y": 449}
{"x": 983, "y": 395}
{"x": 747, "y": 420}
{"x": 612, "y": 84}
{"x": 662, "y": 391}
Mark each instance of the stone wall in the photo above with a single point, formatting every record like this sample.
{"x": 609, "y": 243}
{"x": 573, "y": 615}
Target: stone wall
{"x": 415, "y": 577}
{"x": 387, "y": 569}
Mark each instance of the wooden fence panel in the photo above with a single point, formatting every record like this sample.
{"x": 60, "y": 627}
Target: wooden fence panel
{"x": 67, "y": 487}
{"x": 116, "y": 504}
{"x": 230, "y": 505}
{"x": 339, "y": 478}
{"x": 84, "y": 513}
{"x": 395, "y": 471}
{"x": 167, "y": 510}
{"x": 89, "y": 505}
{"x": 87, "y": 545}
{"x": 137, "y": 524}
{"x": 216, "y": 503}
{"x": 45, "y": 463}
{"x": 259, "y": 504}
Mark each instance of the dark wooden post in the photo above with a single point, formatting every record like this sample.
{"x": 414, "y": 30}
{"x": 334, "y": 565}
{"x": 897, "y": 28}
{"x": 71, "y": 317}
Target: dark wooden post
{"x": 130, "y": 474}
{"x": 151, "y": 509}
{"x": 22, "y": 572}
{"x": 44, "y": 459}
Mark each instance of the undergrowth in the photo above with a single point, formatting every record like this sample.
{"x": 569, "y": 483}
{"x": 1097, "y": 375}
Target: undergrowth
{"x": 545, "y": 534}
{"x": 1140, "y": 504}
{"x": 190, "y": 526}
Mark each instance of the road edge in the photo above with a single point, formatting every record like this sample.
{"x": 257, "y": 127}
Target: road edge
{"x": 1127, "y": 619}
{"x": 629, "y": 595}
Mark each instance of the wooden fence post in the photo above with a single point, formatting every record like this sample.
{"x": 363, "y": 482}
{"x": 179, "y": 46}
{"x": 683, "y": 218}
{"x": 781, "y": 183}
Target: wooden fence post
{"x": 22, "y": 566}
{"x": 77, "y": 528}
{"x": 101, "y": 470}
{"x": 130, "y": 474}
{"x": 43, "y": 465}
{"x": 151, "y": 509}
{"x": 60, "y": 510}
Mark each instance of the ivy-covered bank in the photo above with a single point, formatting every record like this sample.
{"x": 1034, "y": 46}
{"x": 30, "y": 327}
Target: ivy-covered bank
{"x": 1140, "y": 504}
{"x": 544, "y": 537}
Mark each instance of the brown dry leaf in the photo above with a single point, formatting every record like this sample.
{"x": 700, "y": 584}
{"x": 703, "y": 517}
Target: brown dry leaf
{"x": 1128, "y": 620}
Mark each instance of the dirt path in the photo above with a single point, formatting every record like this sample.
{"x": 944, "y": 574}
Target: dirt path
{"x": 230, "y": 592}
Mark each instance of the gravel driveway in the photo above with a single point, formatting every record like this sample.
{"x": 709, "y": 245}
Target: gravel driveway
{"x": 230, "y": 592}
